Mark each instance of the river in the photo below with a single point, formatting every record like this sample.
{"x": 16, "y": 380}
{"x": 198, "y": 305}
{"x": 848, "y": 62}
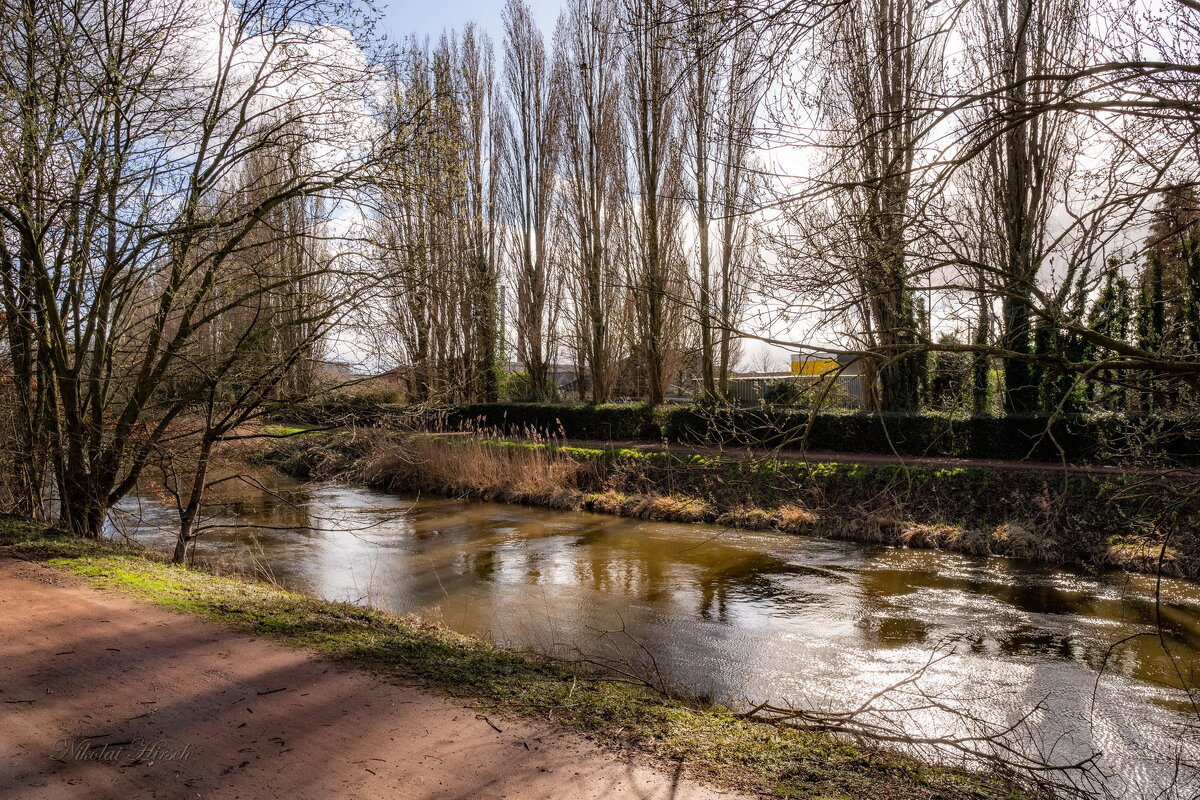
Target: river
{"x": 744, "y": 617}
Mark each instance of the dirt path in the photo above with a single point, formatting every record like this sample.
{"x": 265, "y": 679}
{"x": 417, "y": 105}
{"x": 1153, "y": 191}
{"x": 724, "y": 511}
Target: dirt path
{"x": 190, "y": 710}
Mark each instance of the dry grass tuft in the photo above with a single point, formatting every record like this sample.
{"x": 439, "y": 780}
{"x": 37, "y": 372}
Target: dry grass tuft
{"x": 673, "y": 509}
{"x": 1142, "y": 555}
{"x": 796, "y": 519}
{"x": 612, "y": 502}
{"x": 755, "y": 519}
{"x": 1019, "y": 541}
{"x": 914, "y": 534}
{"x": 474, "y": 468}
{"x": 880, "y": 527}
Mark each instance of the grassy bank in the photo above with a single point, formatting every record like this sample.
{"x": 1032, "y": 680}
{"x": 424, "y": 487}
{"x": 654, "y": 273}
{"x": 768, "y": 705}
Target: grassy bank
{"x": 1090, "y": 519}
{"x": 710, "y": 741}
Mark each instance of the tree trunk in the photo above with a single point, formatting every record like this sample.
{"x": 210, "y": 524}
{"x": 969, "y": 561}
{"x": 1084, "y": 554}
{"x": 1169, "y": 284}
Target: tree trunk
{"x": 191, "y": 509}
{"x": 1020, "y": 380}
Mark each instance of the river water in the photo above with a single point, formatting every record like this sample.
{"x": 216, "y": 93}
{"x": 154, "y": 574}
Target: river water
{"x": 746, "y": 617}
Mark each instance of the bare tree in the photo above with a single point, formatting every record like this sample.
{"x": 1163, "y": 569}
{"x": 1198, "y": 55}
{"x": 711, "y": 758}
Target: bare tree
{"x": 285, "y": 257}
{"x": 882, "y": 64}
{"x": 272, "y": 304}
{"x": 484, "y": 344}
{"x": 724, "y": 89}
{"x": 592, "y": 188}
{"x": 529, "y": 157}
{"x": 434, "y": 199}
{"x": 1027, "y": 166}
{"x": 657, "y": 275}
{"x": 125, "y": 126}
{"x": 702, "y": 36}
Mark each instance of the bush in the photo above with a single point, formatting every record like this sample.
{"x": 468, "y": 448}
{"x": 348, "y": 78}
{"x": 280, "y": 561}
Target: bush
{"x": 1037, "y": 437}
{"x": 611, "y": 422}
{"x": 808, "y": 394}
{"x": 783, "y": 393}
{"x": 909, "y": 434}
{"x": 516, "y": 387}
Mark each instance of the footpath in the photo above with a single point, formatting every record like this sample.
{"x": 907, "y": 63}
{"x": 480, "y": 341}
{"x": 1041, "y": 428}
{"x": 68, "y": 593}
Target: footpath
{"x": 105, "y": 697}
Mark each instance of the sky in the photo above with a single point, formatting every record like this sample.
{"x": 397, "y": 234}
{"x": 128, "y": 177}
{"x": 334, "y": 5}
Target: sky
{"x": 431, "y": 17}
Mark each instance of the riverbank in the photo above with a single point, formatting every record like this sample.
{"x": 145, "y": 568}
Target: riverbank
{"x": 510, "y": 689}
{"x": 1132, "y": 521}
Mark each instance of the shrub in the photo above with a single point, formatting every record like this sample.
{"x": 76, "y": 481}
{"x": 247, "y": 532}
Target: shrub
{"x": 609, "y": 422}
{"x": 1038, "y": 437}
{"x": 517, "y": 387}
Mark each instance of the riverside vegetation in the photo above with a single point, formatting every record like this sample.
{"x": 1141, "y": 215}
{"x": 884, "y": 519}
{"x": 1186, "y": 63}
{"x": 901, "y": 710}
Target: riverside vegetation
{"x": 712, "y": 742}
{"x": 1135, "y": 521}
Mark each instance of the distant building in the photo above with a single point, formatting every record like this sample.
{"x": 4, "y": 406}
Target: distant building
{"x": 804, "y": 382}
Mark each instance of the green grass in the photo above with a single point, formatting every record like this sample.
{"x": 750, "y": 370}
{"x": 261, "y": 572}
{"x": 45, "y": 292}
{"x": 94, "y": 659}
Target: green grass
{"x": 712, "y": 742}
{"x": 291, "y": 430}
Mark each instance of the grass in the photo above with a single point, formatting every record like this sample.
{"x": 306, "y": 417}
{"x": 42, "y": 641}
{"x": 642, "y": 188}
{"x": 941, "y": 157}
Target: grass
{"x": 290, "y": 430}
{"x": 710, "y": 741}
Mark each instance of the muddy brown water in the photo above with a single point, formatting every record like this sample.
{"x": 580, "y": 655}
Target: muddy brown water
{"x": 745, "y": 617}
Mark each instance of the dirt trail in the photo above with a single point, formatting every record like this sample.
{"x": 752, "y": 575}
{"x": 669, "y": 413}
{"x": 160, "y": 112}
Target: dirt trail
{"x": 190, "y": 710}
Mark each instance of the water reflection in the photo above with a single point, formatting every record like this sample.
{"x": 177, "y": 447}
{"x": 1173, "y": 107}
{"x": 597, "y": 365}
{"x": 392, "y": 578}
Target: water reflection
{"x": 744, "y": 616}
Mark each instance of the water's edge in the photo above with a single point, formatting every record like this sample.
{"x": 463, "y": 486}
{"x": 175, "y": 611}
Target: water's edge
{"x": 741, "y": 616}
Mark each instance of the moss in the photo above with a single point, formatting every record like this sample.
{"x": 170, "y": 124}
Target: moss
{"x": 712, "y": 741}
{"x": 285, "y": 431}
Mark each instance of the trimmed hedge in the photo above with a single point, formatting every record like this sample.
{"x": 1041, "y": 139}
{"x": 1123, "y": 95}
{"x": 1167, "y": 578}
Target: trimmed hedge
{"x": 1036, "y": 437}
{"x": 1014, "y": 437}
{"x": 905, "y": 434}
{"x": 611, "y": 422}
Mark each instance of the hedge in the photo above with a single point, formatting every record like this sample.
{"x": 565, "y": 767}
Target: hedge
{"x": 610, "y": 422}
{"x": 1015, "y": 437}
{"x": 1035, "y": 437}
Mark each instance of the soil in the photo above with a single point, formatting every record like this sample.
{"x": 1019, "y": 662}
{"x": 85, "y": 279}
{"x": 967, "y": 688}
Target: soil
{"x": 105, "y": 697}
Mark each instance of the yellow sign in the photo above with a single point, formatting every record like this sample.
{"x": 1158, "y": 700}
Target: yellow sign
{"x": 813, "y": 366}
